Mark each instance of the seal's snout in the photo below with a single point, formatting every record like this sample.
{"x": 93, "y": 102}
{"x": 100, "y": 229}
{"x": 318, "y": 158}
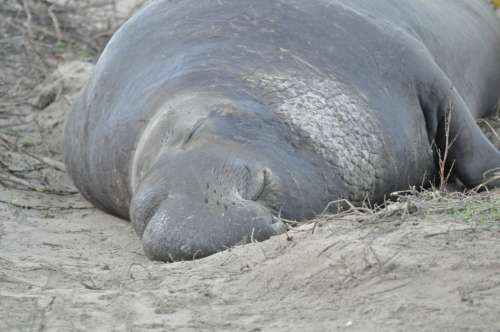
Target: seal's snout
{"x": 181, "y": 228}
{"x": 186, "y": 212}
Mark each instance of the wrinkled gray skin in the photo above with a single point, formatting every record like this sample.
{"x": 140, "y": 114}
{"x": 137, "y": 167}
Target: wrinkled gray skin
{"x": 204, "y": 120}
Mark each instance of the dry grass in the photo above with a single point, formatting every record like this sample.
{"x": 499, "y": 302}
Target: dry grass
{"x": 471, "y": 207}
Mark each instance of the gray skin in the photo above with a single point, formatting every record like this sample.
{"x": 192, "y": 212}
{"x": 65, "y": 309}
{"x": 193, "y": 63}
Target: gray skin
{"x": 206, "y": 121}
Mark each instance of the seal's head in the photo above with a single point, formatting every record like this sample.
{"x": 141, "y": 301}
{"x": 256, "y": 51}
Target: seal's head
{"x": 213, "y": 174}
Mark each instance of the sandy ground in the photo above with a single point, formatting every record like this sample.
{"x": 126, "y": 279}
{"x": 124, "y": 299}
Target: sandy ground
{"x": 430, "y": 262}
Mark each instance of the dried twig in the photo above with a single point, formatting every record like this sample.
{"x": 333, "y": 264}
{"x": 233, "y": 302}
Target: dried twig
{"x": 45, "y": 207}
{"x": 444, "y": 175}
{"x": 55, "y": 22}
{"x": 490, "y": 127}
{"x": 27, "y": 23}
{"x": 44, "y": 160}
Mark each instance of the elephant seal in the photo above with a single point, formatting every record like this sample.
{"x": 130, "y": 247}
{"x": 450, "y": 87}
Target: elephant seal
{"x": 206, "y": 121}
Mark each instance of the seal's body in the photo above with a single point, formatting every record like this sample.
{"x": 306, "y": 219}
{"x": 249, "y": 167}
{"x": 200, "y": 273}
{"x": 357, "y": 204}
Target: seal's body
{"x": 204, "y": 119}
